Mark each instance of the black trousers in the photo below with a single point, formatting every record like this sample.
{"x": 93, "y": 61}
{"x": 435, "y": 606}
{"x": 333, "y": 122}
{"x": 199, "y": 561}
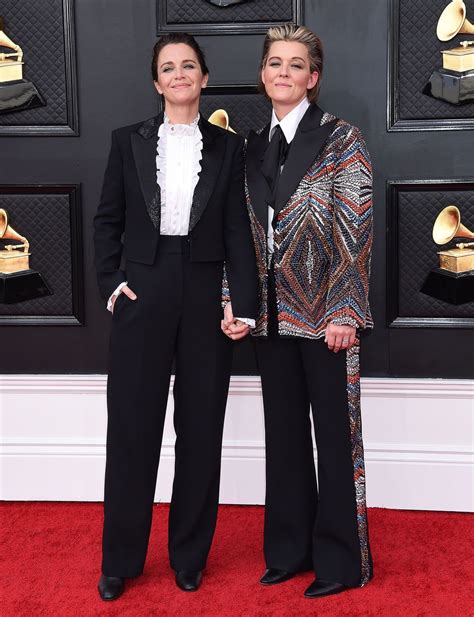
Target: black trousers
{"x": 175, "y": 318}
{"x": 309, "y": 526}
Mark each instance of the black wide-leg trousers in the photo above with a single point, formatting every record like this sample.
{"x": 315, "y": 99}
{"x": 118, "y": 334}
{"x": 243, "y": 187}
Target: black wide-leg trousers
{"x": 309, "y": 524}
{"x": 175, "y": 318}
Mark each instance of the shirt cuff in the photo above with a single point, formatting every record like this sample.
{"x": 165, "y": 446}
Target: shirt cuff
{"x": 345, "y": 320}
{"x": 115, "y": 294}
{"x": 246, "y": 320}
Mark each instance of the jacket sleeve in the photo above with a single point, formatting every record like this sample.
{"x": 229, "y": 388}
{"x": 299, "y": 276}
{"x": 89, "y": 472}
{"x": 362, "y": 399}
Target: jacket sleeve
{"x": 109, "y": 223}
{"x": 225, "y": 296}
{"x": 347, "y": 298}
{"x": 240, "y": 262}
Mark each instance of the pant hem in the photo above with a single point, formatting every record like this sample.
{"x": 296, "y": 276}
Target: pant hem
{"x": 187, "y": 568}
{"x": 292, "y": 570}
{"x": 334, "y": 579}
{"x": 121, "y": 574}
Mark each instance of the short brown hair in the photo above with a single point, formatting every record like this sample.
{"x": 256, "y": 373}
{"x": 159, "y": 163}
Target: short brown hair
{"x": 298, "y": 34}
{"x": 172, "y": 39}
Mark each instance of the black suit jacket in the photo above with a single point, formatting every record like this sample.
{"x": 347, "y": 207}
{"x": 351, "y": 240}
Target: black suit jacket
{"x": 128, "y": 216}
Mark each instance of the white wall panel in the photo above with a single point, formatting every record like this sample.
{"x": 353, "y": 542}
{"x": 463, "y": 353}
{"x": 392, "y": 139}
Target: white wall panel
{"x": 418, "y": 436}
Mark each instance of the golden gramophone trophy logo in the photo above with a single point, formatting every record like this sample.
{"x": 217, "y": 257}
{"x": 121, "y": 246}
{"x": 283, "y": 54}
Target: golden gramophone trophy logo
{"x": 221, "y": 118}
{"x": 454, "y": 82}
{"x": 16, "y": 93}
{"x": 453, "y": 281}
{"x": 17, "y": 281}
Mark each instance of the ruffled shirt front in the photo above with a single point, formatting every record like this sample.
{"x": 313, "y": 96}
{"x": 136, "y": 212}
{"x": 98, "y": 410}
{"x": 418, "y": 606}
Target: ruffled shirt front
{"x": 179, "y": 152}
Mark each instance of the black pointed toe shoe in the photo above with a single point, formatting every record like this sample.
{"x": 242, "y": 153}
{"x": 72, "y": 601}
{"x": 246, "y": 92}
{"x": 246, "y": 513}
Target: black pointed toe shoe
{"x": 273, "y": 576}
{"x": 189, "y": 580}
{"x": 110, "y": 587}
{"x": 320, "y": 588}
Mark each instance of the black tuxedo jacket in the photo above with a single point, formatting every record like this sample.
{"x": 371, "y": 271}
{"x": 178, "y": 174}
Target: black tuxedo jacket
{"x": 127, "y": 222}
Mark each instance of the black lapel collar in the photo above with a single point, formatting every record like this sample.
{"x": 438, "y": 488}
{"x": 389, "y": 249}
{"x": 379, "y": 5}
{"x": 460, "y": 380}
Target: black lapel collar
{"x": 307, "y": 143}
{"x": 213, "y": 146}
{"x": 144, "y": 145}
{"x": 257, "y": 185}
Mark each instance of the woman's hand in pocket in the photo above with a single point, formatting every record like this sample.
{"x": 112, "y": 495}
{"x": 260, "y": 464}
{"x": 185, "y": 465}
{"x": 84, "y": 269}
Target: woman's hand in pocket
{"x": 128, "y": 292}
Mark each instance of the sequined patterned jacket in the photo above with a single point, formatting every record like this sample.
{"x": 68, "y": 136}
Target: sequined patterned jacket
{"x": 322, "y": 227}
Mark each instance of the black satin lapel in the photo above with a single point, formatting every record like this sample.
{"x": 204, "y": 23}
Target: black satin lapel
{"x": 256, "y": 183}
{"x": 144, "y": 146}
{"x": 213, "y": 146}
{"x": 305, "y": 149}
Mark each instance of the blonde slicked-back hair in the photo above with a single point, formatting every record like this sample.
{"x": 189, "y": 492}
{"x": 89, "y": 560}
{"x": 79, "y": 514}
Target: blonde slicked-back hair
{"x": 298, "y": 34}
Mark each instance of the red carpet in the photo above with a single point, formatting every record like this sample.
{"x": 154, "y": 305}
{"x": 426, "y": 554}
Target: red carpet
{"x": 51, "y": 552}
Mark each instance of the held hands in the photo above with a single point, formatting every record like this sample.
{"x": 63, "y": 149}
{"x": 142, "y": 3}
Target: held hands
{"x": 128, "y": 292}
{"x": 233, "y": 328}
{"x": 339, "y": 337}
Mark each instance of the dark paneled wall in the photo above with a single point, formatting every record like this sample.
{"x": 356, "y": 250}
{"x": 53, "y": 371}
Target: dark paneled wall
{"x": 114, "y": 39}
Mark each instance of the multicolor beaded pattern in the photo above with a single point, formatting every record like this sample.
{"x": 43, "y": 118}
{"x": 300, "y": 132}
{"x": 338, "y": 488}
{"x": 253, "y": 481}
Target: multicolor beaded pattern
{"x": 357, "y": 448}
{"x": 322, "y": 242}
{"x": 225, "y": 299}
{"x": 260, "y": 243}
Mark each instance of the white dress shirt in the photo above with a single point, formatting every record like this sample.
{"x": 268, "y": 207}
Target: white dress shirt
{"x": 178, "y": 157}
{"x": 288, "y": 125}
{"x": 179, "y": 153}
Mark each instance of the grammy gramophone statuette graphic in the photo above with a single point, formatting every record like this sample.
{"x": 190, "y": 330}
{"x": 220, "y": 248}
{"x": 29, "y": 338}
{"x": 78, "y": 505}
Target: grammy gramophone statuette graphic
{"x": 221, "y": 118}
{"x": 16, "y": 93}
{"x": 454, "y": 82}
{"x": 453, "y": 281}
{"x": 17, "y": 281}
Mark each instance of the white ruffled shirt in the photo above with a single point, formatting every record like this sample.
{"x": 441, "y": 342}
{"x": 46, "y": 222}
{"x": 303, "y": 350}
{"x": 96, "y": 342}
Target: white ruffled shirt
{"x": 178, "y": 164}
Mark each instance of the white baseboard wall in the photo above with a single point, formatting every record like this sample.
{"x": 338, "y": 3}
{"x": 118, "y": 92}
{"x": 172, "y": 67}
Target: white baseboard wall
{"x": 418, "y": 436}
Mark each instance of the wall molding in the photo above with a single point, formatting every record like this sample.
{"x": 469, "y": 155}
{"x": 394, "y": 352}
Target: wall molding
{"x": 370, "y": 386}
{"x": 374, "y": 451}
{"x": 416, "y": 432}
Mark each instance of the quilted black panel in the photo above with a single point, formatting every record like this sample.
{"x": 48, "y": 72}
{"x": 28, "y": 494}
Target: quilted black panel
{"x": 202, "y": 12}
{"x": 246, "y": 111}
{"x": 417, "y": 253}
{"x": 45, "y": 220}
{"x": 419, "y": 54}
{"x": 37, "y": 26}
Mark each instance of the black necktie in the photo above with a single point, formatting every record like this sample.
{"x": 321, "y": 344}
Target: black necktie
{"x": 275, "y": 156}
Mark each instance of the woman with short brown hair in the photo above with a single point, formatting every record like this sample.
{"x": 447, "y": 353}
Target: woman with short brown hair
{"x": 174, "y": 187}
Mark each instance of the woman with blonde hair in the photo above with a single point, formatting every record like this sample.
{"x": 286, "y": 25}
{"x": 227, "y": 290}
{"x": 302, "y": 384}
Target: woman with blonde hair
{"x": 309, "y": 195}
